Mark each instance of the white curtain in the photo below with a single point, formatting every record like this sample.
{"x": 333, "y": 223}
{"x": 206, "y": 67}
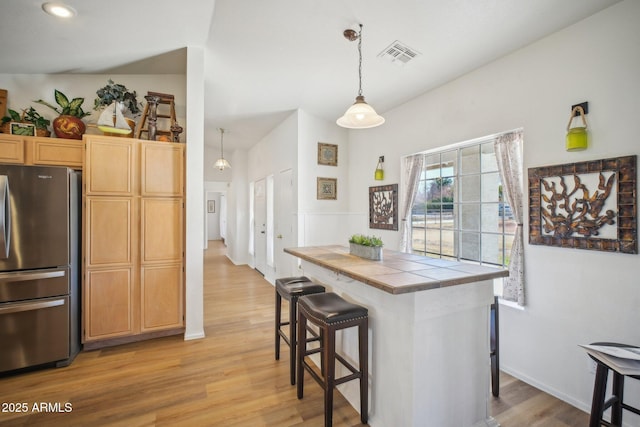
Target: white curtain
{"x": 411, "y": 169}
{"x": 508, "y": 148}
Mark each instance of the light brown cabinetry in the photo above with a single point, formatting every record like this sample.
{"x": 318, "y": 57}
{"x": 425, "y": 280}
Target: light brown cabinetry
{"x": 11, "y": 149}
{"x": 41, "y": 151}
{"x": 134, "y": 240}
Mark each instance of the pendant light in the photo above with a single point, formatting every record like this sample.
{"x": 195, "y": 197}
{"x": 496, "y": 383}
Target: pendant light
{"x": 360, "y": 115}
{"x": 221, "y": 163}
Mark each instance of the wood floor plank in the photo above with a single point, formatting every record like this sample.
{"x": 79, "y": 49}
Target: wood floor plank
{"x": 229, "y": 378}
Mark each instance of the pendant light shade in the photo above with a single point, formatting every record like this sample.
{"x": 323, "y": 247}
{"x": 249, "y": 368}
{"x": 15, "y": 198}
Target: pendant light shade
{"x": 221, "y": 163}
{"x": 360, "y": 115}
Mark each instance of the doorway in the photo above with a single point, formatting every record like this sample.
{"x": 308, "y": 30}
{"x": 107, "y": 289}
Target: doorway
{"x": 260, "y": 226}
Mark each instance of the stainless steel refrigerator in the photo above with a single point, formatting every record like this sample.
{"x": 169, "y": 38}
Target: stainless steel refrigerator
{"x": 39, "y": 266}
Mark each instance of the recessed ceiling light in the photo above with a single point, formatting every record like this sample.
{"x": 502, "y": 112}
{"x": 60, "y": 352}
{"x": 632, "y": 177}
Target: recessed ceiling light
{"x": 58, "y": 9}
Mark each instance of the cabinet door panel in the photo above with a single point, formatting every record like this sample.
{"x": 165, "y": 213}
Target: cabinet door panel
{"x": 109, "y": 165}
{"x": 161, "y": 291}
{"x": 162, "y": 169}
{"x": 109, "y": 299}
{"x": 161, "y": 236}
{"x": 109, "y": 231}
{"x": 11, "y": 149}
{"x": 48, "y": 151}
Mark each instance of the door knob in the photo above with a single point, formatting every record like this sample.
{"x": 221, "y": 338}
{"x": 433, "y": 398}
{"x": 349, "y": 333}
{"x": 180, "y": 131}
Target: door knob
{"x": 279, "y": 236}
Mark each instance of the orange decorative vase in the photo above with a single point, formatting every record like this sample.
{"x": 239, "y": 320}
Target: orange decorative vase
{"x": 69, "y": 127}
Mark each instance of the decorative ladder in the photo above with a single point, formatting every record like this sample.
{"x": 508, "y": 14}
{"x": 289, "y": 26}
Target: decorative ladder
{"x": 150, "y": 115}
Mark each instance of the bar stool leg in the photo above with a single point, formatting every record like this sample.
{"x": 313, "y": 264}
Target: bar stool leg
{"x": 329, "y": 344}
{"x": 617, "y": 391}
{"x": 599, "y": 390}
{"x": 278, "y": 314}
{"x": 293, "y": 304}
{"x": 300, "y": 351}
{"x": 363, "y": 336}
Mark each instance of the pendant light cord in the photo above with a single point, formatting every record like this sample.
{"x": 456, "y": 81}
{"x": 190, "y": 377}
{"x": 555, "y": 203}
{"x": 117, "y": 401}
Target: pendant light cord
{"x": 360, "y": 62}
{"x": 221, "y": 143}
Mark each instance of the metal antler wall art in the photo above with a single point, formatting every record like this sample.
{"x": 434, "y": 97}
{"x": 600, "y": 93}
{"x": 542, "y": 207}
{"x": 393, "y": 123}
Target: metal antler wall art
{"x": 586, "y": 205}
{"x": 565, "y": 213}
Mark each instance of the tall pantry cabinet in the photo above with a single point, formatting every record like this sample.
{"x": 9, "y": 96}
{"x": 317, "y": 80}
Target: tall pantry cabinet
{"x": 133, "y": 240}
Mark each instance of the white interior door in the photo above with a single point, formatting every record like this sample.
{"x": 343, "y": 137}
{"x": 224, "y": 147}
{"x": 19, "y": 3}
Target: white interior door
{"x": 260, "y": 225}
{"x": 286, "y": 265}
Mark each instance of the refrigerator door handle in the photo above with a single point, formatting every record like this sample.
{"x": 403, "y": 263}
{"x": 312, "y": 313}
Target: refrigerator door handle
{"x": 5, "y": 217}
{"x": 31, "y": 306}
{"x": 28, "y": 275}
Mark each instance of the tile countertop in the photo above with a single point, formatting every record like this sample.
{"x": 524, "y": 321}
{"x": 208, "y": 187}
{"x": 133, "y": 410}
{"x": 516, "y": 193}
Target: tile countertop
{"x": 397, "y": 272}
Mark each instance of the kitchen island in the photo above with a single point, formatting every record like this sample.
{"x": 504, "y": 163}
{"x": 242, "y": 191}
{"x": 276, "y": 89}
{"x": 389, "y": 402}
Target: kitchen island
{"x": 429, "y": 333}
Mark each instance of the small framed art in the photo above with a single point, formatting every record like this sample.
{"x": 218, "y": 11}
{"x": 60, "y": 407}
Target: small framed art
{"x": 327, "y": 154}
{"x": 327, "y": 188}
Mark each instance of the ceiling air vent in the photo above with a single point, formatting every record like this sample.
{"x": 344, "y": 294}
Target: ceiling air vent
{"x": 398, "y": 53}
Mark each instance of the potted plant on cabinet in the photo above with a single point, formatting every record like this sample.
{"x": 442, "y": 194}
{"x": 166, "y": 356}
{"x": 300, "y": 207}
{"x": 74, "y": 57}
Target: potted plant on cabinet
{"x": 369, "y": 247}
{"x": 126, "y": 105}
{"x": 29, "y": 115}
{"x": 69, "y": 123}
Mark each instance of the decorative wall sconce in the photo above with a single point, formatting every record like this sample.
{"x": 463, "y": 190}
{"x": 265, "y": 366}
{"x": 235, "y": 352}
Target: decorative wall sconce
{"x": 577, "y": 138}
{"x": 379, "y": 173}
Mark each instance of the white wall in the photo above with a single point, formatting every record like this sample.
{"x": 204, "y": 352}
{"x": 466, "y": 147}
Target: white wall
{"x": 238, "y": 209}
{"x": 273, "y": 154}
{"x": 322, "y": 222}
{"x": 573, "y": 296}
{"x": 194, "y": 203}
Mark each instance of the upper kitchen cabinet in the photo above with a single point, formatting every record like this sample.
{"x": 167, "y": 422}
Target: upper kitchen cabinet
{"x": 11, "y": 149}
{"x": 55, "y": 152}
{"x": 161, "y": 170}
{"x": 29, "y": 150}
{"x": 109, "y": 166}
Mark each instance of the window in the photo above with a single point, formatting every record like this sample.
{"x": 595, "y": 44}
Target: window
{"x": 459, "y": 211}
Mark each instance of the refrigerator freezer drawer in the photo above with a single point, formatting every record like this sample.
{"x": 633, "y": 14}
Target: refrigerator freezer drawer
{"x": 23, "y": 285}
{"x": 34, "y": 332}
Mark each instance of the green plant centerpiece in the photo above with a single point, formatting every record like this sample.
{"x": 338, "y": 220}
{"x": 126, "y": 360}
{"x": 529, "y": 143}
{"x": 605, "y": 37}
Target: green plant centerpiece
{"x": 29, "y": 115}
{"x": 69, "y": 123}
{"x": 120, "y": 94}
{"x": 369, "y": 247}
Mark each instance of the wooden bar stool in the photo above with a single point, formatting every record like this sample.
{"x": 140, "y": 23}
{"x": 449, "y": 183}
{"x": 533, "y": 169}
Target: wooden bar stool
{"x": 330, "y": 313}
{"x": 599, "y": 404}
{"x": 291, "y": 288}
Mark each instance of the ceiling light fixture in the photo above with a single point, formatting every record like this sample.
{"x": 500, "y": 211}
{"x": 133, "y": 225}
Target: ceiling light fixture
{"x": 222, "y": 163}
{"x": 60, "y": 10}
{"x": 360, "y": 115}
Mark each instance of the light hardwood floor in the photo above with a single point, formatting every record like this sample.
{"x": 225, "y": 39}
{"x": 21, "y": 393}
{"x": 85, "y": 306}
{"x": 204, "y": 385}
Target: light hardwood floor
{"x": 229, "y": 378}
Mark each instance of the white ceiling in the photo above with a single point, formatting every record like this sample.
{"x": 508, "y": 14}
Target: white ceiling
{"x": 265, "y": 58}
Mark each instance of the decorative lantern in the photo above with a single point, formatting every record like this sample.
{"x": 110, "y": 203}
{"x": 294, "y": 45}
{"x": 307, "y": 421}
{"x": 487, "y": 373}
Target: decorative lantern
{"x": 577, "y": 138}
{"x": 379, "y": 173}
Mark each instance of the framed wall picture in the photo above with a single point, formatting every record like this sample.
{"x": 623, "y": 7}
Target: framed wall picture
{"x": 383, "y": 207}
{"x": 327, "y": 154}
{"x": 585, "y": 205}
{"x": 327, "y": 188}
{"x": 24, "y": 129}
{"x": 211, "y": 206}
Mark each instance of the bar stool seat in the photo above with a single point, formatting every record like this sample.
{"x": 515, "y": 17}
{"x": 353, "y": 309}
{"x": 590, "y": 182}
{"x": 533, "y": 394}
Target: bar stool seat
{"x": 330, "y": 313}
{"x": 615, "y": 402}
{"x": 291, "y": 288}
